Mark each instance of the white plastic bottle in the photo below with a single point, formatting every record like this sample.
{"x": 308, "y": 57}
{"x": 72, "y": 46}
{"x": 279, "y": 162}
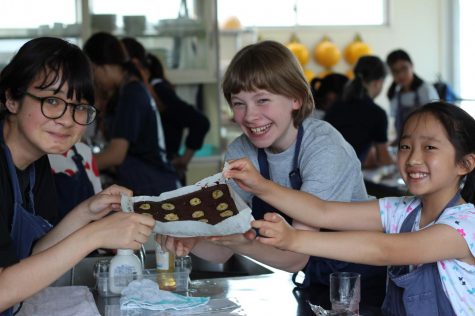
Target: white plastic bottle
{"x": 124, "y": 268}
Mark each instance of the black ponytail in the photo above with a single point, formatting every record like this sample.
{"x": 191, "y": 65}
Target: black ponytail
{"x": 355, "y": 90}
{"x": 367, "y": 69}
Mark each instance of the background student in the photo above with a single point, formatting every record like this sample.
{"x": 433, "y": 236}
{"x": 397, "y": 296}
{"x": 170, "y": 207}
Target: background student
{"x": 132, "y": 122}
{"x": 46, "y": 97}
{"x": 327, "y": 91}
{"x": 361, "y": 121}
{"x": 408, "y": 90}
{"x": 177, "y": 115}
{"x": 436, "y": 159}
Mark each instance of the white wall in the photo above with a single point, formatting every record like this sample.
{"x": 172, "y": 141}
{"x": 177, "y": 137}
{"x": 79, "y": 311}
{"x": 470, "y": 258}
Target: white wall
{"x": 421, "y": 27}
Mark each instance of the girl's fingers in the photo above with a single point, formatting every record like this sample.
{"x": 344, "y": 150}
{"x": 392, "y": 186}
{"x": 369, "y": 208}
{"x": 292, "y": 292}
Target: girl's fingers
{"x": 257, "y": 224}
{"x": 272, "y": 217}
{"x": 266, "y": 240}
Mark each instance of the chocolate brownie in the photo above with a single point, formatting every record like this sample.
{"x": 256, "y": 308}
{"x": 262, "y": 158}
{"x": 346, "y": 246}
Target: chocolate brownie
{"x": 210, "y": 205}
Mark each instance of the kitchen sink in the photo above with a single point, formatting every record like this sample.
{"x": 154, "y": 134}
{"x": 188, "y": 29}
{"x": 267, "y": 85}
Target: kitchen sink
{"x": 236, "y": 266}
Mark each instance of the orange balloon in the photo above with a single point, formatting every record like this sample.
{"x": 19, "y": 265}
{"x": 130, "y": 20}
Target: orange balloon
{"x": 231, "y": 23}
{"x": 355, "y": 50}
{"x": 300, "y": 51}
{"x": 327, "y": 54}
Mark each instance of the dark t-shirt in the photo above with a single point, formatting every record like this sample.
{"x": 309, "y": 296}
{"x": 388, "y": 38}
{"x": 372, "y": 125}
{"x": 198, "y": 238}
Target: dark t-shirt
{"x": 177, "y": 117}
{"x": 134, "y": 119}
{"x": 45, "y": 200}
{"x": 361, "y": 122}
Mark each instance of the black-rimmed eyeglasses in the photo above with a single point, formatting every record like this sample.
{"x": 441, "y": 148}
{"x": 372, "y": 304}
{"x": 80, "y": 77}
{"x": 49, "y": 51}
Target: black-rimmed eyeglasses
{"x": 54, "y": 108}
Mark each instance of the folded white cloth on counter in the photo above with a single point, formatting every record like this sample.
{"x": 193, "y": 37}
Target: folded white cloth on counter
{"x": 60, "y": 301}
{"x": 147, "y": 295}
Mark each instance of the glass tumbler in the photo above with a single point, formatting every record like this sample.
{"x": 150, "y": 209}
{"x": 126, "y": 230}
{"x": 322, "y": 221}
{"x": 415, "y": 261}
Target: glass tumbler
{"x": 183, "y": 265}
{"x": 101, "y": 274}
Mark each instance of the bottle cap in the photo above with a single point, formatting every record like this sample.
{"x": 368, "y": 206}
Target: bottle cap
{"x": 124, "y": 252}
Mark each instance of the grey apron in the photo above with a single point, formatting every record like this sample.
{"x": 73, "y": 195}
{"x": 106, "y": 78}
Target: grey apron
{"x": 420, "y": 292}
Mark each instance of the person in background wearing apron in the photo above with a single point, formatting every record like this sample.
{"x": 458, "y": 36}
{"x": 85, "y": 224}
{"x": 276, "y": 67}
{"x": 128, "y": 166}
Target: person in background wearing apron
{"x": 272, "y": 103}
{"x": 362, "y": 122}
{"x": 428, "y": 239}
{"x": 46, "y": 97}
{"x": 76, "y": 177}
{"x": 177, "y": 115}
{"x": 132, "y": 121}
{"x": 408, "y": 91}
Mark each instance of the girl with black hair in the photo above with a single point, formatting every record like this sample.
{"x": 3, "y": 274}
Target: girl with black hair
{"x": 428, "y": 239}
{"x": 361, "y": 121}
{"x": 132, "y": 122}
{"x": 46, "y": 101}
{"x": 408, "y": 90}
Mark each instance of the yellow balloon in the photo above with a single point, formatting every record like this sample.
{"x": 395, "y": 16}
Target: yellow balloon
{"x": 300, "y": 51}
{"x": 327, "y": 54}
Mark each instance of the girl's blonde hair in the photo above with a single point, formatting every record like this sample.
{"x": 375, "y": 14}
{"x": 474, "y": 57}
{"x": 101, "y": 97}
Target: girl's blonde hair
{"x": 270, "y": 66}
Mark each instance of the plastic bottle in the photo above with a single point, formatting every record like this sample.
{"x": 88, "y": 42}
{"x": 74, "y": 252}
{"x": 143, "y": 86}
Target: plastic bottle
{"x": 124, "y": 268}
{"x": 165, "y": 267}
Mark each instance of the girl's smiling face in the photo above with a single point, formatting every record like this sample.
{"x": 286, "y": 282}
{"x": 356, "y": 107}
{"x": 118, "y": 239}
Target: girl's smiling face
{"x": 32, "y": 133}
{"x": 265, "y": 118}
{"x": 426, "y": 158}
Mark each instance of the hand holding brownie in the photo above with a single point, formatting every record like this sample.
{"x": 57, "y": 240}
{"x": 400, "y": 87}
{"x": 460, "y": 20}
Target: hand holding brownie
{"x": 243, "y": 172}
{"x": 275, "y": 231}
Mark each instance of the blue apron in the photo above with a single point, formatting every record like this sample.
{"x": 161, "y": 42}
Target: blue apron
{"x": 74, "y": 189}
{"x": 259, "y": 207}
{"x": 27, "y": 227}
{"x": 419, "y": 292}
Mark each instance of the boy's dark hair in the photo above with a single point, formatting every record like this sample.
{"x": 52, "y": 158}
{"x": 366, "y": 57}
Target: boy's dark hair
{"x": 270, "y": 66}
{"x": 460, "y": 129}
{"x": 367, "y": 69}
{"x": 54, "y": 59}
{"x": 394, "y": 57}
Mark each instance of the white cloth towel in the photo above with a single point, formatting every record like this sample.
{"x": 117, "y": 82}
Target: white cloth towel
{"x": 147, "y": 295}
{"x": 60, "y": 301}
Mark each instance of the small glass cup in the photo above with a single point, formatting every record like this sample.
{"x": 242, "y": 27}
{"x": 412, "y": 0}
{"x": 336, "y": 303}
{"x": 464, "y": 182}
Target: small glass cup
{"x": 101, "y": 271}
{"x": 345, "y": 291}
{"x": 183, "y": 265}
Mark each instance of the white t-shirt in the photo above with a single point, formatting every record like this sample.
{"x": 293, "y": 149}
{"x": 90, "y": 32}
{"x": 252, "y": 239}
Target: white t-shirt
{"x": 458, "y": 278}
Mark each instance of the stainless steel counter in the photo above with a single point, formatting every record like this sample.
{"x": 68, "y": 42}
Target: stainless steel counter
{"x": 267, "y": 294}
